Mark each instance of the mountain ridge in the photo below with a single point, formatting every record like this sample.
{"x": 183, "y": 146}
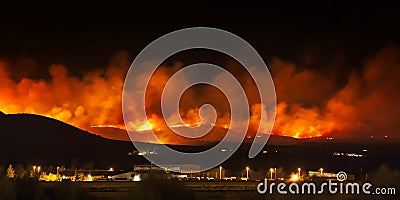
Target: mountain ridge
{"x": 34, "y": 138}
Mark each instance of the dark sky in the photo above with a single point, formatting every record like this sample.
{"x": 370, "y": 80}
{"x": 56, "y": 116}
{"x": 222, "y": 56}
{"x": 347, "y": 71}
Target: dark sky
{"x": 85, "y": 35}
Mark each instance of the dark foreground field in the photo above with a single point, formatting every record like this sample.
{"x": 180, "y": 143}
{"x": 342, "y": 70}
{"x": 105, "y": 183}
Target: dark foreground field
{"x": 163, "y": 189}
{"x": 157, "y": 186}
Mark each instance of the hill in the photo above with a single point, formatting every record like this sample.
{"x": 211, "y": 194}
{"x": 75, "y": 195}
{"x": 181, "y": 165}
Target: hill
{"x": 37, "y": 139}
{"x": 218, "y": 132}
{"x": 2, "y": 115}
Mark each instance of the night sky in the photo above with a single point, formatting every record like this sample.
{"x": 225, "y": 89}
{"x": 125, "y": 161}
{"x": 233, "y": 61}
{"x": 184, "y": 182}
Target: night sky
{"x": 86, "y": 35}
{"x": 326, "y": 40}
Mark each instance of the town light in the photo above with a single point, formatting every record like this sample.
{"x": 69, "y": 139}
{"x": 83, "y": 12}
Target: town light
{"x": 294, "y": 177}
{"x": 89, "y": 177}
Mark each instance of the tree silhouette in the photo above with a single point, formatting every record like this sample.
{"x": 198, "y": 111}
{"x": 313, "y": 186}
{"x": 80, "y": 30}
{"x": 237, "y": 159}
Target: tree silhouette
{"x": 20, "y": 171}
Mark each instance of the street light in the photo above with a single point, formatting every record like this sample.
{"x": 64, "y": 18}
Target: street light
{"x": 275, "y": 173}
{"x": 220, "y": 172}
{"x": 247, "y": 172}
{"x": 38, "y": 169}
{"x": 322, "y": 170}
{"x": 271, "y": 170}
{"x": 299, "y": 171}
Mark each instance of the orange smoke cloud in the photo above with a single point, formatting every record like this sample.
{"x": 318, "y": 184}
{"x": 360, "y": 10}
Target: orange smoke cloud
{"x": 310, "y": 103}
{"x": 301, "y": 96}
{"x": 369, "y": 103}
{"x": 82, "y": 102}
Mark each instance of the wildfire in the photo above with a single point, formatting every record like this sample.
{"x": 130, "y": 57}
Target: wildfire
{"x": 145, "y": 126}
{"x": 109, "y": 126}
{"x": 309, "y": 103}
{"x": 303, "y": 132}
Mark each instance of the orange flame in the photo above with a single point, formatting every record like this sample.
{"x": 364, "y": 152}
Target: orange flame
{"x": 310, "y": 104}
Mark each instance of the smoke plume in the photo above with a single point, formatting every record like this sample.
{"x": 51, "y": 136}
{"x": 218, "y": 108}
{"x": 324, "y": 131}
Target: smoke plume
{"x": 310, "y": 103}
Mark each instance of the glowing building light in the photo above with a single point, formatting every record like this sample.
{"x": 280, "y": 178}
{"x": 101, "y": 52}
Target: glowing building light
{"x": 137, "y": 178}
{"x": 294, "y": 177}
